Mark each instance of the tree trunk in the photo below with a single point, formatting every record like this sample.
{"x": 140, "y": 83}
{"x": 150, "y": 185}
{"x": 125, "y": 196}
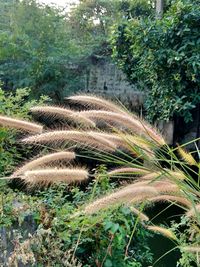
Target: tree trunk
{"x": 159, "y": 8}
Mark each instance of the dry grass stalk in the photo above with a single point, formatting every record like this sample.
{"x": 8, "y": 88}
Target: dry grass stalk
{"x": 153, "y": 176}
{"x": 177, "y": 175}
{"x": 141, "y": 215}
{"x": 191, "y": 249}
{"x": 122, "y": 196}
{"x": 43, "y": 161}
{"x": 166, "y": 187}
{"x": 163, "y": 186}
{"x": 132, "y": 123}
{"x": 118, "y": 140}
{"x": 53, "y": 175}
{"x": 132, "y": 171}
{"x": 84, "y": 138}
{"x": 20, "y": 125}
{"x": 168, "y": 198}
{"x": 194, "y": 211}
{"x": 58, "y": 112}
{"x": 165, "y": 232}
{"x": 96, "y": 102}
{"x": 187, "y": 157}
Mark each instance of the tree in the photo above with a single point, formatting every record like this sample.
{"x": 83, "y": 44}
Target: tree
{"x": 162, "y": 57}
{"x": 36, "y": 49}
{"x": 92, "y": 20}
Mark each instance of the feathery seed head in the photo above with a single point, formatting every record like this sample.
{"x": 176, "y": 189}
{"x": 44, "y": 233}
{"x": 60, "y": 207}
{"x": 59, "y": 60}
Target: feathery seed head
{"x": 166, "y": 232}
{"x": 132, "y": 171}
{"x": 191, "y": 249}
{"x": 53, "y": 175}
{"x": 80, "y": 137}
{"x": 63, "y": 113}
{"x": 20, "y": 124}
{"x": 194, "y": 211}
{"x": 96, "y": 102}
{"x": 122, "y": 196}
{"x": 187, "y": 157}
{"x": 129, "y": 122}
{"x": 141, "y": 215}
{"x": 43, "y": 161}
{"x": 168, "y": 198}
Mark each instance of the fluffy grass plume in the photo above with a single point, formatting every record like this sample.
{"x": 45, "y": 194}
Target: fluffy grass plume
{"x": 125, "y": 120}
{"x": 162, "y": 187}
{"x": 58, "y": 112}
{"x": 165, "y": 232}
{"x": 120, "y": 140}
{"x": 128, "y": 170}
{"x": 20, "y": 125}
{"x": 165, "y": 173}
{"x": 141, "y": 215}
{"x": 54, "y": 175}
{"x": 187, "y": 157}
{"x": 168, "y": 198}
{"x": 176, "y": 174}
{"x": 195, "y": 211}
{"x": 96, "y": 102}
{"x": 67, "y": 156}
{"x": 191, "y": 249}
{"x": 122, "y": 196}
{"x": 81, "y": 137}
{"x": 113, "y": 137}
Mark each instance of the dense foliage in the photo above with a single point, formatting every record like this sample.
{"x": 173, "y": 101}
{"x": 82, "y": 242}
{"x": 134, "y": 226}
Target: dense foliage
{"x": 106, "y": 221}
{"x": 48, "y": 49}
{"x": 37, "y": 50}
{"x": 162, "y": 57}
{"x": 169, "y": 176}
{"x": 91, "y": 21}
{"x": 59, "y": 233}
{"x": 17, "y": 105}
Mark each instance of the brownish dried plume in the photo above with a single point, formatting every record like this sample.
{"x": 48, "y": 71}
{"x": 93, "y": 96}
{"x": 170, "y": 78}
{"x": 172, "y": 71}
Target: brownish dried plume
{"x": 20, "y": 125}
{"x": 44, "y": 160}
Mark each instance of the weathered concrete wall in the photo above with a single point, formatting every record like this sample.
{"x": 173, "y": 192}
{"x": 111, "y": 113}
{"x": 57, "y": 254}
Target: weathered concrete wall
{"x": 105, "y": 78}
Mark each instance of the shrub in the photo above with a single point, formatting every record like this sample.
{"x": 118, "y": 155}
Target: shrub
{"x": 162, "y": 58}
{"x": 62, "y": 238}
{"x": 16, "y": 105}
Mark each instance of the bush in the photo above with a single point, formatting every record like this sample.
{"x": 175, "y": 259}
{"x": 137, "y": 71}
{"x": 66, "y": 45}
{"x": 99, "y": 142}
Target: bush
{"x": 155, "y": 174}
{"x": 61, "y": 235}
{"x": 17, "y": 105}
{"x": 162, "y": 58}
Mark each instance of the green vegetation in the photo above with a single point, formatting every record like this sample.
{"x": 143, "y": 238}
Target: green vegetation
{"x": 37, "y": 50}
{"x": 154, "y": 173}
{"x": 99, "y": 240}
{"x": 16, "y": 105}
{"x": 90, "y": 184}
{"x": 162, "y": 58}
{"x": 48, "y": 50}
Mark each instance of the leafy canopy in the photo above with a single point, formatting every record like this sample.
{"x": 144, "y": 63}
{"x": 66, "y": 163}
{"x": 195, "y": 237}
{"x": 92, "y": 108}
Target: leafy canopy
{"x": 162, "y": 57}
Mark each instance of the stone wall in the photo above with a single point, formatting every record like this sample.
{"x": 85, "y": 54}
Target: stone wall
{"x": 105, "y": 78}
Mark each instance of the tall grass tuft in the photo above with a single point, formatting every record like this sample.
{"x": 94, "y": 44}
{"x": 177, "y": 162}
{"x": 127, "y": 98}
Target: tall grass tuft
{"x": 129, "y": 146}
